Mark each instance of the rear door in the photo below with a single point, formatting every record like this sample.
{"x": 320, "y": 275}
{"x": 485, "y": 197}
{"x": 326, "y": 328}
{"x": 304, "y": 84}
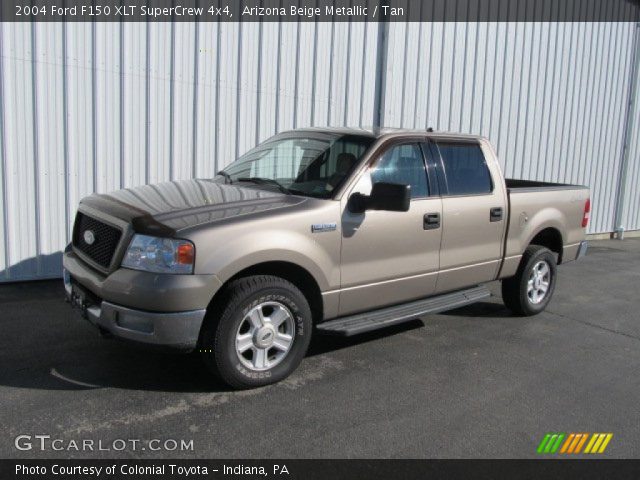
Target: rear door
{"x": 473, "y": 214}
{"x": 392, "y": 257}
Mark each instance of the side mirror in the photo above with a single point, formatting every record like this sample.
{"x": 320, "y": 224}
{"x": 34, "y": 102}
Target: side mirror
{"x": 392, "y": 197}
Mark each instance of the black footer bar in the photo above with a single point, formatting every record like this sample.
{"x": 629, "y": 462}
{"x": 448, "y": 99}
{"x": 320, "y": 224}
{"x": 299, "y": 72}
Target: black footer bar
{"x": 320, "y": 469}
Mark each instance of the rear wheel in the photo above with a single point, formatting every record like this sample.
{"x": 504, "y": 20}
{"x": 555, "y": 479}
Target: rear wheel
{"x": 530, "y": 290}
{"x": 258, "y": 334}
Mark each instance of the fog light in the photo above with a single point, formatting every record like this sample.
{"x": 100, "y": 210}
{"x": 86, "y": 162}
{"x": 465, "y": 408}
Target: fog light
{"x": 134, "y": 322}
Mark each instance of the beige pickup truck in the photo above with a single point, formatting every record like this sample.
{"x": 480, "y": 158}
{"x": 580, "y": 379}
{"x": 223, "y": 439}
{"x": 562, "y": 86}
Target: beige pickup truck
{"x": 323, "y": 231}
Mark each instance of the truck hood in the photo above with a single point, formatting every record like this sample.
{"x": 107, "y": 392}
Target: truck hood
{"x": 165, "y": 208}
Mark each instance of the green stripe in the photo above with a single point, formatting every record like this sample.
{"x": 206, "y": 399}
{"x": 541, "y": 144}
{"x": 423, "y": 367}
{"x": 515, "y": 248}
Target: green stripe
{"x": 554, "y": 449}
{"x": 543, "y": 442}
{"x": 547, "y": 449}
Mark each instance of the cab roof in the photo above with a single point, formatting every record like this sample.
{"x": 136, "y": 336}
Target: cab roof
{"x": 384, "y": 132}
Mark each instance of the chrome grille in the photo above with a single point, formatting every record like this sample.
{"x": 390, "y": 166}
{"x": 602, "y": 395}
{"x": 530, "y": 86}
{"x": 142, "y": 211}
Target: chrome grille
{"x": 105, "y": 243}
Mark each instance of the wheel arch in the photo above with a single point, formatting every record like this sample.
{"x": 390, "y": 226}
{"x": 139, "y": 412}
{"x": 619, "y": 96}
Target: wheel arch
{"x": 290, "y": 271}
{"x": 551, "y": 238}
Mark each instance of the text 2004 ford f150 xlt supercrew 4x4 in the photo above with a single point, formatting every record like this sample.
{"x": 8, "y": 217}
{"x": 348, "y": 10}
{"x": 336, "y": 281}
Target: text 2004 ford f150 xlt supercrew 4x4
{"x": 337, "y": 231}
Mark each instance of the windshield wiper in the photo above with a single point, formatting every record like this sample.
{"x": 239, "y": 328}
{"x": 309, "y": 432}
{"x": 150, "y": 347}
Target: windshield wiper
{"x": 264, "y": 181}
{"x": 227, "y": 177}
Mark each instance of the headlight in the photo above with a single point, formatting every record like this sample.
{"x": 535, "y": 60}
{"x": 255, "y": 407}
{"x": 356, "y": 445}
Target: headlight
{"x": 159, "y": 255}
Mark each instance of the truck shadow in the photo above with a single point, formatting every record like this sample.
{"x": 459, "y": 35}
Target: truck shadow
{"x": 109, "y": 363}
{"x": 46, "y": 346}
{"x": 480, "y": 309}
{"x": 321, "y": 344}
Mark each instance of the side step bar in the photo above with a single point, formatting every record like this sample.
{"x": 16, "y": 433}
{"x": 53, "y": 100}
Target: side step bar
{"x": 385, "y": 317}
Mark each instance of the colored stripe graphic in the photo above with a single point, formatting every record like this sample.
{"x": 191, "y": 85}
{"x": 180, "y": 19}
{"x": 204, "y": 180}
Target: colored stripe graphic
{"x": 581, "y": 443}
{"x": 572, "y": 443}
{"x": 550, "y": 443}
{"x": 556, "y": 445}
{"x": 543, "y": 443}
{"x": 598, "y": 443}
{"x": 567, "y": 442}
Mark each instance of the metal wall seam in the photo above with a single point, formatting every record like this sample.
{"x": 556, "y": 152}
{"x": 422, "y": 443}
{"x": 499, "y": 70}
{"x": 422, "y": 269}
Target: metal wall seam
{"x": 239, "y": 89}
{"x": 603, "y": 128}
{"x": 622, "y": 74}
{"x": 629, "y": 123}
{"x": 65, "y": 133}
{"x": 36, "y": 156}
{"x": 4, "y": 238}
{"x": 194, "y": 113}
{"x": 172, "y": 82}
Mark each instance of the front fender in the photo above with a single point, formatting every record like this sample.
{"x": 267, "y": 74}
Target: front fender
{"x": 317, "y": 255}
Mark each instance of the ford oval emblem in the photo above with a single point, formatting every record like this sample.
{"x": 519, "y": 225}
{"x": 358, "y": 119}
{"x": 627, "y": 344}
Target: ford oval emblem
{"x": 89, "y": 237}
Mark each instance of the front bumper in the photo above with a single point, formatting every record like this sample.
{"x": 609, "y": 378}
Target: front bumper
{"x": 152, "y": 292}
{"x": 179, "y": 330}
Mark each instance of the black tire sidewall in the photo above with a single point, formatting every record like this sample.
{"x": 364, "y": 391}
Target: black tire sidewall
{"x": 549, "y": 258}
{"x": 229, "y": 365}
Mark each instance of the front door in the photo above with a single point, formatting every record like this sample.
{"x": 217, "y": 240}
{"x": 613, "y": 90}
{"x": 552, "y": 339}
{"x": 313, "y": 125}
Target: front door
{"x": 391, "y": 257}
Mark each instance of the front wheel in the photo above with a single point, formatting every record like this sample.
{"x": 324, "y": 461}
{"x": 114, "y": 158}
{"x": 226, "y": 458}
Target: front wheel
{"x": 530, "y": 290}
{"x": 258, "y": 334}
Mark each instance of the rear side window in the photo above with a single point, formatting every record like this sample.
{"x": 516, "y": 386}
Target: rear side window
{"x": 465, "y": 168}
{"x": 403, "y": 164}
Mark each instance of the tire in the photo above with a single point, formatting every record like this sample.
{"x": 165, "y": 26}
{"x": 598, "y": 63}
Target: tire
{"x": 523, "y": 293}
{"x": 244, "y": 339}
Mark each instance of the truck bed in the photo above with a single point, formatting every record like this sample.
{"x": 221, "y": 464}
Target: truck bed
{"x": 518, "y": 185}
{"x": 536, "y": 206}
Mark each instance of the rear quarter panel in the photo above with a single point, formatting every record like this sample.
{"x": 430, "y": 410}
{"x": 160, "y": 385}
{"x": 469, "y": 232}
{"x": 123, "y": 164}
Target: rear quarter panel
{"x": 532, "y": 211}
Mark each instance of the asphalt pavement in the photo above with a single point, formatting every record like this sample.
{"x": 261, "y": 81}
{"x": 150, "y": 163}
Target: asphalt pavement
{"x": 474, "y": 382}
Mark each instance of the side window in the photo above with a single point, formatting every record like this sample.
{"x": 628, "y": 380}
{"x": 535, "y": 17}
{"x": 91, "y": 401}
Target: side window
{"x": 403, "y": 164}
{"x": 466, "y": 169}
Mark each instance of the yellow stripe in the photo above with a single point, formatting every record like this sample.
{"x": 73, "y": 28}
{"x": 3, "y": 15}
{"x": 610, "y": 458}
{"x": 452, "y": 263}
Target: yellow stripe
{"x": 567, "y": 442}
{"x": 575, "y": 442}
{"x": 584, "y": 439}
{"x": 591, "y": 442}
{"x": 607, "y": 439}
{"x": 596, "y": 445}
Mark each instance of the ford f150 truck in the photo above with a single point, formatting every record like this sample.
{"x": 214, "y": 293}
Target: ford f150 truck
{"x": 334, "y": 231}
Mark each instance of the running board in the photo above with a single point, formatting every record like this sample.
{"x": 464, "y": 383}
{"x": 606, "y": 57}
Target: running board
{"x": 385, "y": 317}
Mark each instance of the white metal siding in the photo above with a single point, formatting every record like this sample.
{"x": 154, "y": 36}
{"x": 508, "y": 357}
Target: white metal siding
{"x": 550, "y": 96}
{"x": 97, "y": 107}
{"x": 631, "y": 201}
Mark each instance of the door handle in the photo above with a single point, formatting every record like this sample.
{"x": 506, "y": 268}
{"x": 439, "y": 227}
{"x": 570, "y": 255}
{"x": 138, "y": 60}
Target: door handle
{"x": 495, "y": 214}
{"x": 431, "y": 221}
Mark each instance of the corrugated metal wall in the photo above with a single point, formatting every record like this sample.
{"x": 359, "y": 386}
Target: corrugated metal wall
{"x": 97, "y": 107}
{"x": 550, "y": 96}
{"x": 630, "y": 215}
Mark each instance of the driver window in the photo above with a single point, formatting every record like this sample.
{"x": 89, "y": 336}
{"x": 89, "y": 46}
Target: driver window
{"x": 401, "y": 164}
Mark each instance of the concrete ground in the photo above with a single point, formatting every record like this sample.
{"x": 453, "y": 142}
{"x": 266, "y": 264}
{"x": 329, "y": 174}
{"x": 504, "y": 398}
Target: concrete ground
{"x": 475, "y": 382}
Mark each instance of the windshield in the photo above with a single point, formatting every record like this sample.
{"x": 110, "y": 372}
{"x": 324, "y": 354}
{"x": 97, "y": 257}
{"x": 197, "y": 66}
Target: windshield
{"x": 310, "y": 163}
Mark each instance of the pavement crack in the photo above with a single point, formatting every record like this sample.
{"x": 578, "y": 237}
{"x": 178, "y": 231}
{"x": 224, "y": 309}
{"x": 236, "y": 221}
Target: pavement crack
{"x": 599, "y": 327}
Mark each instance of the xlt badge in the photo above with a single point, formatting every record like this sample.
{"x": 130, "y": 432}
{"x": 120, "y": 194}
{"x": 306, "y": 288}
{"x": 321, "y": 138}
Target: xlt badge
{"x": 323, "y": 227}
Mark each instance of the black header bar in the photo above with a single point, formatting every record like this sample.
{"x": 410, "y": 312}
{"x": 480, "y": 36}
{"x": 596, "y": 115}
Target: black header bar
{"x": 319, "y": 10}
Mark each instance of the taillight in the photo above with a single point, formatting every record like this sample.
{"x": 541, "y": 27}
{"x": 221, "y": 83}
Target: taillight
{"x": 587, "y": 210}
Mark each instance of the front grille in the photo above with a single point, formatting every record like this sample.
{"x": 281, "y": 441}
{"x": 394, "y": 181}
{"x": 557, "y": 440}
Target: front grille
{"x": 106, "y": 239}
